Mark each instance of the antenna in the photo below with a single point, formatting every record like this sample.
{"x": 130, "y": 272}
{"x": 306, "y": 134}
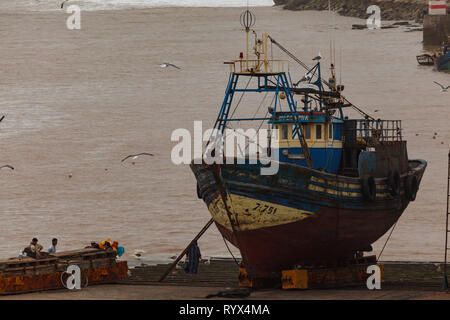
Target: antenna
{"x": 329, "y": 33}
{"x": 248, "y": 20}
{"x": 340, "y": 73}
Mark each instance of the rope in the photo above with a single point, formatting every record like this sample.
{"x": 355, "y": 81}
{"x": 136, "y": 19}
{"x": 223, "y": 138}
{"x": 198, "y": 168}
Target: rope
{"x": 260, "y": 125}
{"x": 392, "y": 230}
{"x": 240, "y": 99}
{"x": 308, "y": 69}
{"x": 260, "y": 105}
{"x": 226, "y": 244}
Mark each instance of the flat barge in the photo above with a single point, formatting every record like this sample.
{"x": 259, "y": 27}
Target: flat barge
{"x": 28, "y": 274}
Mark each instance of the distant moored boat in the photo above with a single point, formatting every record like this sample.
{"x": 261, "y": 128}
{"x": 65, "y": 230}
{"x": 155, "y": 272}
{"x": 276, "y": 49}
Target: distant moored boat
{"x": 425, "y": 60}
{"x": 442, "y": 62}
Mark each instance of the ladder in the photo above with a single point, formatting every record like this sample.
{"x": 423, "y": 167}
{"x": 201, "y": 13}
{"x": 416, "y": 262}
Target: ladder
{"x": 445, "y": 282}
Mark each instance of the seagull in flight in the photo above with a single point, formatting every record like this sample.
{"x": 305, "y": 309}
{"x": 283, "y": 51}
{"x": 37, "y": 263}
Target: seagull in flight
{"x": 7, "y": 166}
{"x": 167, "y": 64}
{"x": 135, "y": 156}
{"x": 62, "y": 4}
{"x": 443, "y": 89}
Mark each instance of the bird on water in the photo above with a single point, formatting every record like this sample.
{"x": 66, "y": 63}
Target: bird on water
{"x": 167, "y": 64}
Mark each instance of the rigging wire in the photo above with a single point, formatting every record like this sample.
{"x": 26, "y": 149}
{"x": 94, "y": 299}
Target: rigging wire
{"x": 308, "y": 69}
{"x": 260, "y": 105}
{"x": 240, "y": 99}
{"x": 260, "y": 125}
{"x": 226, "y": 244}
{"x": 392, "y": 230}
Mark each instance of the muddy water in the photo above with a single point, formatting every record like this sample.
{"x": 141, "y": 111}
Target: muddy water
{"x": 77, "y": 102}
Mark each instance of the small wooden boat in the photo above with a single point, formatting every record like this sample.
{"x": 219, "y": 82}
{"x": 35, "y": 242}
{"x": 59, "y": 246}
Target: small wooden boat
{"x": 97, "y": 266}
{"x": 425, "y": 60}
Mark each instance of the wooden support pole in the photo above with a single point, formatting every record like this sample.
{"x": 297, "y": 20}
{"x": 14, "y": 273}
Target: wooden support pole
{"x": 173, "y": 265}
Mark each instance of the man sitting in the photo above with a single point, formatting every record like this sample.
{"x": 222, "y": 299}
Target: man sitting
{"x": 34, "y": 249}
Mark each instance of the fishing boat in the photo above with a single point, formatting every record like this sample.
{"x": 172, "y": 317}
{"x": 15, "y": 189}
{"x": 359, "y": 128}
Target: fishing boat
{"x": 341, "y": 183}
{"x": 442, "y": 61}
{"x": 425, "y": 60}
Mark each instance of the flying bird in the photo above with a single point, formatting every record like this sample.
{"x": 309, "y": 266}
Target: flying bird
{"x": 62, "y": 4}
{"x": 166, "y": 64}
{"x": 7, "y": 166}
{"x": 443, "y": 89}
{"x": 135, "y": 156}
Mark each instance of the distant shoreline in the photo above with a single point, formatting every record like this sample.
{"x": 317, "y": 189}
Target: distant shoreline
{"x": 390, "y": 9}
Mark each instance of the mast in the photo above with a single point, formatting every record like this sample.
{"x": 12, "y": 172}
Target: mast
{"x": 267, "y": 71}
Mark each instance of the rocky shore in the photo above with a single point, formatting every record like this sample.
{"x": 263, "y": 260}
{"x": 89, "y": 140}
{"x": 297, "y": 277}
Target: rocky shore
{"x": 390, "y": 9}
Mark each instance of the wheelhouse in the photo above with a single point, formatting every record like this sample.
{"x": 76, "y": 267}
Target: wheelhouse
{"x": 323, "y": 136}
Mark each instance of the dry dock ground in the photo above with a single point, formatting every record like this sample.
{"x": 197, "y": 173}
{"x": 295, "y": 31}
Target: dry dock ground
{"x": 153, "y": 292}
{"x": 403, "y": 281}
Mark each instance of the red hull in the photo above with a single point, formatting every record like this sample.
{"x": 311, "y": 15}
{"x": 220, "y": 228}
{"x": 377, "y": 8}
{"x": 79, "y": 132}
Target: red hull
{"x": 327, "y": 237}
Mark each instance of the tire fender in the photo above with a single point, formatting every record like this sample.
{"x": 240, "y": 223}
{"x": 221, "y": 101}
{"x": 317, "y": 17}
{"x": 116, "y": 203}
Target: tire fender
{"x": 394, "y": 182}
{"x": 411, "y": 187}
{"x": 369, "y": 188}
{"x": 199, "y": 194}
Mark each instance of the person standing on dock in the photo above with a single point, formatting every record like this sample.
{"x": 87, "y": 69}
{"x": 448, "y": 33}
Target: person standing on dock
{"x": 193, "y": 257}
{"x": 52, "y": 248}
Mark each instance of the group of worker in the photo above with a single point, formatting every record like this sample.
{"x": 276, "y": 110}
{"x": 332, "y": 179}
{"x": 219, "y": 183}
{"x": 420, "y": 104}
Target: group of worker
{"x": 34, "y": 249}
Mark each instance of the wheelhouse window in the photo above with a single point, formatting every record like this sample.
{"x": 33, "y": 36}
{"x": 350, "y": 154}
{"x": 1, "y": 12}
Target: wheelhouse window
{"x": 284, "y": 131}
{"x": 318, "y": 131}
{"x": 330, "y": 131}
{"x": 307, "y": 129}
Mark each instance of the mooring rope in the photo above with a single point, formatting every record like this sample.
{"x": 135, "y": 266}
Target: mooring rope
{"x": 392, "y": 230}
{"x": 226, "y": 244}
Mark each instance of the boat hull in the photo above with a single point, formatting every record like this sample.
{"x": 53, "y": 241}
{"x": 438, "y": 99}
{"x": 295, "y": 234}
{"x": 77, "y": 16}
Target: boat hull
{"x": 443, "y": 63}
{"x": 425, "y": 60}
{"x": 298, "y": 216}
